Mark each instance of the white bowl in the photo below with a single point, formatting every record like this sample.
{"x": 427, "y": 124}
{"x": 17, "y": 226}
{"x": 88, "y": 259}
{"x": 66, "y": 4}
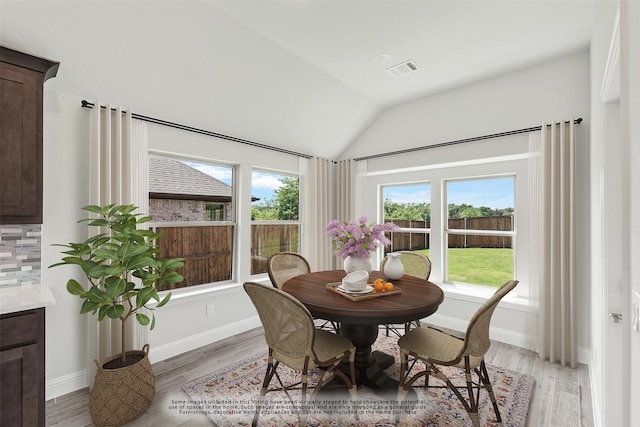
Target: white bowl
{"x": 356, "y": 280}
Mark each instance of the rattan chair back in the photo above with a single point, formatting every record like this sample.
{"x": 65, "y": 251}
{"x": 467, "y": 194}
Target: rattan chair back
{"x": 434, "y": 347}
{"x": 286, "y": 265}
{"x": 288, "y": 325}
{"x": 476, "y": 341}
{"x": 294, "y": 342}
{"x": 414, "y": 263}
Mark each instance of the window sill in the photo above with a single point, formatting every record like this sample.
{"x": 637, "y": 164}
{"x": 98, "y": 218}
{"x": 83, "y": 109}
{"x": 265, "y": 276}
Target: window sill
{"x": 189, "y": 294}
{"x": 479, "y": 294}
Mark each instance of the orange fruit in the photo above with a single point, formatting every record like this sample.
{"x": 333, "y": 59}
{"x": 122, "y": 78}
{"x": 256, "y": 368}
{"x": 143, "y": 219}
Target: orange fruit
{"x": 378, "y": 286}
{"x": 378, "y": 281}
{"x": 388, "y": 286}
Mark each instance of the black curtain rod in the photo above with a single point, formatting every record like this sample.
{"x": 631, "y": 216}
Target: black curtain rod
{"x": 87, "y": 104}
{"x": 459, "y": 141}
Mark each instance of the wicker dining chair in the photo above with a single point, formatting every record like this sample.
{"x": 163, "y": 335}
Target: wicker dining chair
{"x": 286, "y": 265}
{"x": 415, "y": 264}
{"x": 437, "y": 348}
{"x": 295, "y": 342}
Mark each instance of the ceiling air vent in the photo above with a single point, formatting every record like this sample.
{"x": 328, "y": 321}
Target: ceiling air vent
{"x": 403, "y": 69}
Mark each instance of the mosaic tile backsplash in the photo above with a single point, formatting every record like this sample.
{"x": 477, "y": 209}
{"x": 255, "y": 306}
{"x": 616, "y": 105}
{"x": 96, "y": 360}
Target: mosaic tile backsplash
{"x": 20, "y": 254}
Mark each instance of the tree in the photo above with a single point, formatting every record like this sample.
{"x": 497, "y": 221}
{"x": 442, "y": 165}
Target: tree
{"x": 287, "y": 199}
{"x": 407, "y": 211}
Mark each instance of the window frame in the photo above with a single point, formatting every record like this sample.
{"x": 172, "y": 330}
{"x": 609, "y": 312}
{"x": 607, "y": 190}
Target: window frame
{"x": 233, "y": 223}
{"x": 297, "y": 222}
{"x": 426, "y": 230}
{"x": 512, "y": 165}
{"x": 446, "y": 231}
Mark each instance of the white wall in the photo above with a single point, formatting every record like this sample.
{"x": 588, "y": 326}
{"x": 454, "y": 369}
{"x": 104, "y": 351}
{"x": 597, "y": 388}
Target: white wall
{"x": 65, "y": 168}
{"x": 553, "y": 90}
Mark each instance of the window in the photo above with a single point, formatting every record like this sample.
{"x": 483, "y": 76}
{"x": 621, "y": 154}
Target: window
{"x": 409, "y": 207}
{"x": 480, "y": 230}
{"x": 274, "y": 214}
{"x": 192, "y": 205}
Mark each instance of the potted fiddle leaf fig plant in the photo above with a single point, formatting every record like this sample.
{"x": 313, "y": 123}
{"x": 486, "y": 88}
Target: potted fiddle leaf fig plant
{"x": 123, "y": 268}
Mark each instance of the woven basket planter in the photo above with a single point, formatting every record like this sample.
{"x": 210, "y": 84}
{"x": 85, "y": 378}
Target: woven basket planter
{"x": 123, "y": 394}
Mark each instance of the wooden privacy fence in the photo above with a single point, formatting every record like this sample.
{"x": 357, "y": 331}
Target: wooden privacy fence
{"x": 269, "y": 239}
{"x": 420, "y": 240}
{"x": 207, "y": 250}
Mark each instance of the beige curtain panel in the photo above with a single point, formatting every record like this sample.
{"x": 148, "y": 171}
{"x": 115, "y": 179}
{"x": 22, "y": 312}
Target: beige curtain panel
{"x": 318, "y": 211}
{"x": 119, "y": 164}
{"x": 552, "y": 197}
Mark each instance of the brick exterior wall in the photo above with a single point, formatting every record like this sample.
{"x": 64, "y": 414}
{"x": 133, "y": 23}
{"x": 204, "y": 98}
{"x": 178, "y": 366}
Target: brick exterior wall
{"x": 166, "y": 210}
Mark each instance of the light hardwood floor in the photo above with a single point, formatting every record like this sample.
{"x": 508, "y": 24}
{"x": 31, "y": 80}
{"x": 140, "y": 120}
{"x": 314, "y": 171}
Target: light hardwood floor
{"x": 561, "y": 396}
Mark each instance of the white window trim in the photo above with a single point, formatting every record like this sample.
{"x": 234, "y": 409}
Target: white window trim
{"x": 515, "y": 165}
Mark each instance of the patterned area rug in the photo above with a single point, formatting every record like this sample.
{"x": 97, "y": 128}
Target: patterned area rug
{"x": 228, "y": 397}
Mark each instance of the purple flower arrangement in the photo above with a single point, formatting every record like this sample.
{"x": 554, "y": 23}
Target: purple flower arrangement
{"x": 358, "y": 239}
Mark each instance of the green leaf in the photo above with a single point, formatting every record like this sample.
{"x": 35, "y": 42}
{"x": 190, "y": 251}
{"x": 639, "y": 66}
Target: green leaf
{"x": 95, "y": 295}
{"x": 164, "y": 300}
{"x": 114, "y": 311}
{"x": 129, "y": 251}
{"x": 97, "y": 223}
{"x": 144, "y": 295}
{"x": 153, "y": 321}
{"x": 89, "y": 306}
{"x": 171, "y": 278}
{"x": 72, "y": 260}
{"x": 172, "y": 264}
{"x": 144, "y": 219}
{"x": 105, "y": 254}
{"x": 75, "y": 288}
{"x": 93, "y": 208}
{"x": 115, "y": 287}
{"x": 141, "y": 263}
{"x": 143, "y": 319}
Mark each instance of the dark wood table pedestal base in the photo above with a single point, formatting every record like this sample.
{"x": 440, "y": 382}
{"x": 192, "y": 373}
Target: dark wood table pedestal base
{"x": 370, "y": 365}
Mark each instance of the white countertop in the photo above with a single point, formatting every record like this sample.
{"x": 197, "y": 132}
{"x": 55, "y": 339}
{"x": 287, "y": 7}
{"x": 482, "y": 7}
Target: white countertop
{"x": 25, "y": 297}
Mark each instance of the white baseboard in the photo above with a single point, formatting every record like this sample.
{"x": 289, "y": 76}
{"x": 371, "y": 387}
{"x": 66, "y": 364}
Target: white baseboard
{"x": 191, "y": 343}
{"x": 66, "y": 384}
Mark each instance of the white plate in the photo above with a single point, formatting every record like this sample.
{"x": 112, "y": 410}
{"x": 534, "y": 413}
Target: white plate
{"x": 366, "y": 290}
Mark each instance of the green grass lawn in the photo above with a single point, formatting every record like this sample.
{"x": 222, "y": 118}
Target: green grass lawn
{"x": 480, "y": 266}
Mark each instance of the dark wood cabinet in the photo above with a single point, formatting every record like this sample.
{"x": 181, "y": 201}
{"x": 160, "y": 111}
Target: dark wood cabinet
{"x": 21, "y": 80}
{"x": 22, "y": 365}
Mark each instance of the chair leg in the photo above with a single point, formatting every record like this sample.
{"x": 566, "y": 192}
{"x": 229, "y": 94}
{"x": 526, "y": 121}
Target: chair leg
{"x": 402, "y": 390}
{"x": 484, "y": 377}
{"x": 271, "y": 369}
{"x": 304, "y": 406}
{"x": 473, "y": 404}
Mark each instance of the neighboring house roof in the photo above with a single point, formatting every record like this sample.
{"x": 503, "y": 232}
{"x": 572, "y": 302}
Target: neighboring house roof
{"x": 173, "y": 179}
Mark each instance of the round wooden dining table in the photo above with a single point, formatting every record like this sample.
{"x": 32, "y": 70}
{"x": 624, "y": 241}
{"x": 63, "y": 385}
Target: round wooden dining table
{"x": 359, "y": 320}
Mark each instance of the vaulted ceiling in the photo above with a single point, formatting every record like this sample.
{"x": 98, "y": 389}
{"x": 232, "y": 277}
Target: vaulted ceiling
{"x": 306, "y": 75}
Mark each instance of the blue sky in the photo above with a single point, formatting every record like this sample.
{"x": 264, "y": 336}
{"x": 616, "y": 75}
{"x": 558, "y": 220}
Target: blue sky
{"x": 263, "y": 184}
{"x": 496, "y": 193}
{"x": 493, "y": 193}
